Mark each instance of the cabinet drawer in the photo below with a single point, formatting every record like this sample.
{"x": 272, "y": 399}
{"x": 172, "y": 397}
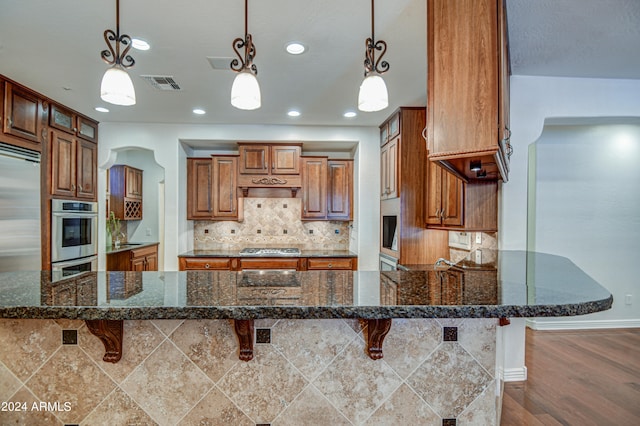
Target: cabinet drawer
{"x": 204, "y": 264}
{"x": 330, "y": 263}
{"x": 144, "y": 251}
{"x": 269, "y": 263}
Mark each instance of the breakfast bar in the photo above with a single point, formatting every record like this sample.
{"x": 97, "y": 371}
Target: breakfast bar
{"x": 268, "y": 345}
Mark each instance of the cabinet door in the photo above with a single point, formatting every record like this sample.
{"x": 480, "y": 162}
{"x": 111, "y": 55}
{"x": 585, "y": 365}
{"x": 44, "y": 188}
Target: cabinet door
{"x": 314, "y": 187}
{"x": 151, "y": 262}
{"x": 133, "y": 183}
{"x": 254, "y": 159}
{"x": 434, "y": 194}
{"x": 391, "y": 177}
{"x": 452, "y": 201}
{"x": 86, "y": 170}
{"x": 62, "y": 119}
{"x": 285, "y": 160}
{"x": 199, "y": 188}
{"x": 465, "y": 74}
{"x": 87, "y": 129}
{"x": 138, "y": 264}
{"x": 23, "y": 113}
{"x": 384, "y": 171}
{"x": 63, "y": 164}
{"x": 339, "y": 189}
{"x": 225, "y": 199}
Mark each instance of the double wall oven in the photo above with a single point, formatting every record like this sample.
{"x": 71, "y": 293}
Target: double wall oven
{"x": 74, "y": 237}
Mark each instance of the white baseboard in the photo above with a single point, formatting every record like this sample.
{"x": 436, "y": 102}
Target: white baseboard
{"x": 513, "y": 374}
{"x": 581, "y": 325}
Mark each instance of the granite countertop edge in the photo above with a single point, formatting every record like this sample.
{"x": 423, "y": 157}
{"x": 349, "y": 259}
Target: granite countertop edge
{"x": 305, "y": 312}
{"x": 130, "y": 246}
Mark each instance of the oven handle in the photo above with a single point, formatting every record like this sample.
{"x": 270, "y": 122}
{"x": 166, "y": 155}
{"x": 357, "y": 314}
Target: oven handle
{"x": 74, "y": 215}
{"x": 58, "y": 266}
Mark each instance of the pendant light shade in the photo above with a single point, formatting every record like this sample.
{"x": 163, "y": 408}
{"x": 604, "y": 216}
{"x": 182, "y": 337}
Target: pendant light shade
{"x": 373, "y": 94}
{"x": 117, "y": 87}
{"x": 245, "y": 92}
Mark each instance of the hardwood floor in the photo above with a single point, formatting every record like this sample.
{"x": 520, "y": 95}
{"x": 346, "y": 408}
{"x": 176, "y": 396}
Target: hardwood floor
{"x": 581, "y": 378}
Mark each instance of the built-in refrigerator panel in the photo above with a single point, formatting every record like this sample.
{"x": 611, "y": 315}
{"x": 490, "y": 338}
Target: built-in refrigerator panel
{"x": 20, "y": 241}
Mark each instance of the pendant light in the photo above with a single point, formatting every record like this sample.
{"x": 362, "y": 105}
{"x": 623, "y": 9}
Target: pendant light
{"x": 373, "y": 94}
{"x": 245, "y": 91}
{"x": 117, "y": 87}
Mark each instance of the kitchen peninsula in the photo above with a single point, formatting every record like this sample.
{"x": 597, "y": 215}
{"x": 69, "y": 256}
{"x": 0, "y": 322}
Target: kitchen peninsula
{"x": 316, "y": 333}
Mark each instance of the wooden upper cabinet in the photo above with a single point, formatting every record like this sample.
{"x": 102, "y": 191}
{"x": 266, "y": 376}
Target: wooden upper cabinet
{"x": 73, "y": 166}
{"x": 314, "y": 187}
{"x": 199, "y": 188}
{"x": 63, "y": 164}
{"x": 125, "y": 192}
{"x": 264, "y": 159}
{"x": 24, "y": 115}
{"x": 389, "y": 170}
{"x": 133, "y": 182}
{"x": 340, "y": 189}
{"x": 86, "y": 170}
{"x": 212, "y": 188}
{"x": 453, "y": 204}
{"x": 466, "y": 65}
{"x": 66, "y": 120}
{"x": 254, "y": 159}
{"x": 225, "y": 197}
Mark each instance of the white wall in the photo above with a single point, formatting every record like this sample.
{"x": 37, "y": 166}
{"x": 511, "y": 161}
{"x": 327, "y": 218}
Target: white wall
{"x": 164, "y": 141}
{"x": 533, "y": 99}
{"x": 587, "y": 193}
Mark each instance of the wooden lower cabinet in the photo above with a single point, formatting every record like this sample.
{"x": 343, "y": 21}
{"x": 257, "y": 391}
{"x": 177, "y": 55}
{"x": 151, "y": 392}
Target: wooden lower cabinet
{"x": 208, "y": 263}
{"x": 137, "y": 259}
{"x": 328, "y": 263}
{"x": 270, "y": 263}
{"x": 264, "y": 263}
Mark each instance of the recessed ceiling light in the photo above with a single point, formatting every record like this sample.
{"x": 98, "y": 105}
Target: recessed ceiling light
{"x": 349, "y": 114}
{"x": 139, "y": 44}
{"x": 293, "y": 113}
{"x": 199, "y": 111}
{"x": 295, "y": 48}
{"x": 101, "y": 109}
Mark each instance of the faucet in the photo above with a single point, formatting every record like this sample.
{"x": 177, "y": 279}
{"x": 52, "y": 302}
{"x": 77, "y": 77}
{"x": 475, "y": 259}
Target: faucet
{"x": 445, "y": 261}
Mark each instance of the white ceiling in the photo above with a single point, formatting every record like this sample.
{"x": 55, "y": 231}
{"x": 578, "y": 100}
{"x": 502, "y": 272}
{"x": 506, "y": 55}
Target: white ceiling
{"x": 54, "y": 47}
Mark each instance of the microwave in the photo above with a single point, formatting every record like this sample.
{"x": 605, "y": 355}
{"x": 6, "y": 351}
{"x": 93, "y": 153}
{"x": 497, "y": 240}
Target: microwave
{"x": 74, "y": 229}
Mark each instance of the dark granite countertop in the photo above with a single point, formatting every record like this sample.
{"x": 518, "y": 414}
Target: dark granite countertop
{"x": 525, "y": 285}
{"x": 129, "y": 246}
{"x": 236, "y": 253}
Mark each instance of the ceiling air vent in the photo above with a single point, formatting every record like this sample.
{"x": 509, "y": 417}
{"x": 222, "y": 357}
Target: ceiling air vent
{"x": 220, "y": 63}
{"x": 162, "y": 82}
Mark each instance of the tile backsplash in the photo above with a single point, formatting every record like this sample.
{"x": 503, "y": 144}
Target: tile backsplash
{"x": 272, "y": 222}
{"x": 489, "y": 243}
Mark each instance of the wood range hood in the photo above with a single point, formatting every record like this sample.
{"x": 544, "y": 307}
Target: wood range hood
{"x": 269, "y": 169}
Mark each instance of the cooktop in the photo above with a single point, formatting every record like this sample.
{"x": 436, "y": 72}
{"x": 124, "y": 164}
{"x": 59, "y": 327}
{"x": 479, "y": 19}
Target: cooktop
{"x": 261, "y": 251}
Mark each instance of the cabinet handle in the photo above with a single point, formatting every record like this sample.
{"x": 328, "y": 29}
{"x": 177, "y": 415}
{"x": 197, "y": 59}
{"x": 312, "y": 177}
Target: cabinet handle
{"x": 75, "y": 129}
{"x": 330, "y": 265}
{"x": 207, "y": 266}
{"x": 73, "y": 187}
{"x": 9, "y": 122}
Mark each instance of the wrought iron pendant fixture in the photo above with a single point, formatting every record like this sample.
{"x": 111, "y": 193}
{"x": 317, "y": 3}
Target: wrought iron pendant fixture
{"x": 117, "y": 87}
{"x": 245, "y": 91}
{"x": 373, "y": 94}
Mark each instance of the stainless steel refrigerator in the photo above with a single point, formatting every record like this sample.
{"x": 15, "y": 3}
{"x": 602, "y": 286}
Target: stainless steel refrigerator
{"x": 19, "y": 209}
